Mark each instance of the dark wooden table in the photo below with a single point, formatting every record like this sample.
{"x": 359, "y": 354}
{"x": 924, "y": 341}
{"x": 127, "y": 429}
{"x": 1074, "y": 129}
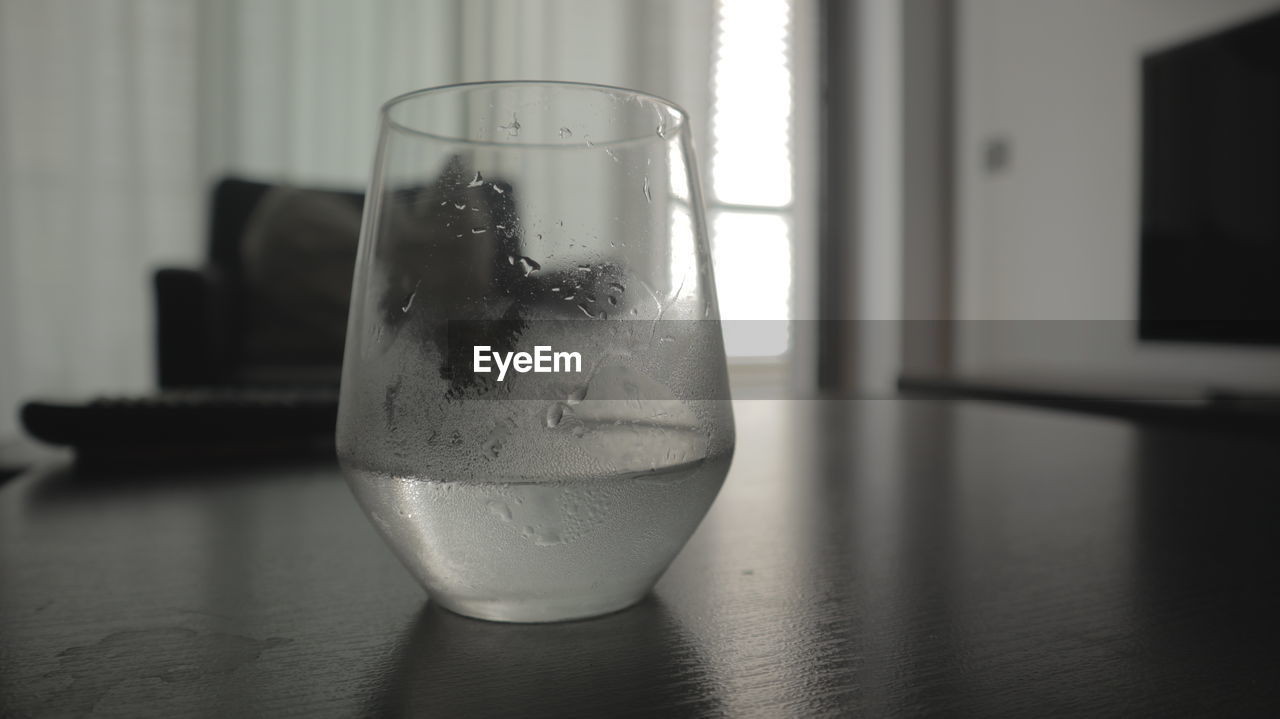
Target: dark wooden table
{"x": 878, "y": 557}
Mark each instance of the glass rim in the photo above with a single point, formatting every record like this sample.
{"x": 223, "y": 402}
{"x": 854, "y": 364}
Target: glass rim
{"x": 384, "y": 111}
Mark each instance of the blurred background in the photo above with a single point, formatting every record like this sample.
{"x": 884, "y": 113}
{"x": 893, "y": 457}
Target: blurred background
{"x": 924, "y": 188}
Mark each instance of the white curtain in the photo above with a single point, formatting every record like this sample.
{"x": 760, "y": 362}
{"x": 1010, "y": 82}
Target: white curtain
{"x": 98, "y": 182}
{"x": 116, "y": 116}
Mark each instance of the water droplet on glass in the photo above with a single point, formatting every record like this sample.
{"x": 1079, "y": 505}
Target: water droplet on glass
{"x": 511, "y": 259}
{"x": 613, "y": 301}
{"x": 555, "y": 413}
{"x": 555, "y": 289}
{"x": 530, "y": 265}
{"x": 634, "y": 311}
{"x": 493, "y": 448}
{"x": 611, "y": 155}
{"x": 648, "y": 195}
{"x": 587, "y": 139}
{"x": 513, "y": 129}
{"x": 585, "y": 310}
{"x": 408, "y": 301}
{"x": 499, "y": 510}
{"x": 589, "y": 298}
{"x": 478, "y": 230}
{"x": 584, "y": 268}
{"x": 460, "y": 205}
{"x": 569, "y": 296}
{"x": 497, "y": 189}
{"x": 477, "y": 181}
{"x": 615, "y": 287}
{"x": 500, "y": 227}
{"x": 539, "y": 237}
{"x": 566, "y": 132}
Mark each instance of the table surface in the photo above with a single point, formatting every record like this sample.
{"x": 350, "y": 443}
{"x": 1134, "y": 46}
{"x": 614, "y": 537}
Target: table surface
{"x": 881, "y": 557}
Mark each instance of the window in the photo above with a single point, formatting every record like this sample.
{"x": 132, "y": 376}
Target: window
{"x": 749, "y": 199}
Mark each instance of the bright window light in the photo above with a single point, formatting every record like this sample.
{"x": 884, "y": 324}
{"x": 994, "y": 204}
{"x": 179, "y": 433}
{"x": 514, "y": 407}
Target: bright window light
{"x": 751, "y": 148}
{"x": 752, "y": 256}
{"x": 752, "y": 175}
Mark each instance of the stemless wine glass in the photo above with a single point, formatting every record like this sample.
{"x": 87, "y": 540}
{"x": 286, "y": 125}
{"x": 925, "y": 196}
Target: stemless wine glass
{"x": 534, "y": 408}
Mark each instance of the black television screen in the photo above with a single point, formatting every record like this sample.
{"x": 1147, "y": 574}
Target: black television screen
{"x": 1209, "y": 266}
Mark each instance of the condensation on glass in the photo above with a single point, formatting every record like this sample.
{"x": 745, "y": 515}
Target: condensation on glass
{"x": 516, "y": 216}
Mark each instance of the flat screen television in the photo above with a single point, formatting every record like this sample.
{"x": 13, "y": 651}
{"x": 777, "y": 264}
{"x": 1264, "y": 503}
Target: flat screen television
{"x": 1209, "y": 266}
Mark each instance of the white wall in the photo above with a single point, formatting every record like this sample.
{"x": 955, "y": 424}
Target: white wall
{"x": 1054, "y": 235}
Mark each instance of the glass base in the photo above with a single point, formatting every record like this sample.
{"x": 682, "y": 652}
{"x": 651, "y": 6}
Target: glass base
{"x": 538, "y": 610}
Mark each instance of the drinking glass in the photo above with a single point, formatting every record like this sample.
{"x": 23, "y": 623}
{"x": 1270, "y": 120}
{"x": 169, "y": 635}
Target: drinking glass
{"x": 551, "y": 219}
